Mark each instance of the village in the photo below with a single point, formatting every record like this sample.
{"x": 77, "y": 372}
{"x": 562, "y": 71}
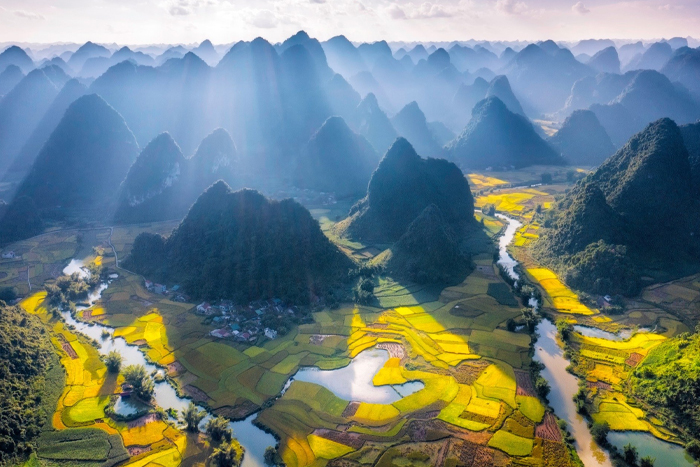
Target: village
{"x": 247, "y": 324}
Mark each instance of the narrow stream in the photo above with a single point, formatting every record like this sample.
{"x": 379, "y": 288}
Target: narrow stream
{"x": 564, "y": 385}
{"x": 253, "y": 439}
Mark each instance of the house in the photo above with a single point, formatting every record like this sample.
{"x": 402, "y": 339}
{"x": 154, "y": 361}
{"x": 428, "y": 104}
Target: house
{"x": 204, "y": 308}
{"x": 175, "y": 288}
{"x": 148, "y": 284}
{"x": 603, "y": 302}
{"x": 270, "y": 333}
{"x": 159, "y": 289}
{"x": 8, "y": 255}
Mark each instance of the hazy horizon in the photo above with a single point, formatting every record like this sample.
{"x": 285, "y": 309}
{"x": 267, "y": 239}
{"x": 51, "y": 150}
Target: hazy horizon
{"x": 139, "y": 22}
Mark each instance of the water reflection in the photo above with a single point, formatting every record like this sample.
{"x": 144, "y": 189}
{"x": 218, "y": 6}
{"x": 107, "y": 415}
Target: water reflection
{"x": 354, "y": 382}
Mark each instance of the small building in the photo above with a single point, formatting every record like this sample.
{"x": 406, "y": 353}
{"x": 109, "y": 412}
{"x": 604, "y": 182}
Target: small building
{"x": 220, "y": 333}
{"x": 175, "y": 288}
{"x": 204, "y": 307}
{"x": 159, "y": 289}
{"x": 148, "y": 284}
{"x": 270, "y": 333}
{"x": 8, "y": 255}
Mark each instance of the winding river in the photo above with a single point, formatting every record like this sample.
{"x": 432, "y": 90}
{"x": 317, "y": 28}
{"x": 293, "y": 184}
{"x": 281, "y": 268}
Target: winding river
{"x": 564, "y": 385}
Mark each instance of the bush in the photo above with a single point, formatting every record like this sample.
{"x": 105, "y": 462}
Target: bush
{"x": 113, "y": 361}
{"x": 542, "y": 387}
{"x": 647, "y": 461}
{"x": 630, "y": 454}
{"x": 272, "y": 457}
{"x": 218, "y": 429}
{"x": 191, "y": 416}
{"x": 693, "y": 448}
{"x": 228, "y": 455}
{"x": 140, "y": 380}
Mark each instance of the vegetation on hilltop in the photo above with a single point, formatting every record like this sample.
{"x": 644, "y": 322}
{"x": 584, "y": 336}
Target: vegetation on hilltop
{"x": 635, "y": 213}
{"x": 243, "y": 246}
{"x": 428, "y": 252}
{"x": 403, "y": 185}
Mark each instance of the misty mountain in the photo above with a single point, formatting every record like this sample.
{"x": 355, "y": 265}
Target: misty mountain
{"x": 24, "y": 160}
{"x": 544, "y": 78}
{"x": 243, "y": 246}
{"x": 207, "y": 52}
{"x": 649, "y": 96}
{"x": 19, "y": 220}
{"x": 343, "y": 57}
{"x": 403, "y": 185}
{"x": 16, "y": 56}
{"x": 605, "y": 61}
{"x": 691, "y": 138}
{"x": 162, "y": 184}
{"x": 410, "y": 123}
{"x": 371, "y": 122}
{"x": 84, "y": 160}
{"x": 592, "y": 46}
{"x": 9, "y": 79}
{"x": 20, "y": 112}
{"x": 582, "y": 140}
{"x": 336, "y": 160}
{"x": 654, "y": 58}
{"x": 496, "y": 137}
{"x": 684, "y": 67}
{"x": 86, "y": 52}
{"x": 500, "y": 87}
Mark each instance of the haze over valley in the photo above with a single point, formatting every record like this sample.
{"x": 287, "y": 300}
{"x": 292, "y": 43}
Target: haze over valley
{"x": 362, "y": 241}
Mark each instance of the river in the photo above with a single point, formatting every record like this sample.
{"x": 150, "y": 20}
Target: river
{"x": 564, "y": 385}
{"x": 253, "y": 439}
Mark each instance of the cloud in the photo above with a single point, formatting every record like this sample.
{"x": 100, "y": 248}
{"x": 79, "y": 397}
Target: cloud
{"x": 511, "y": 7}
{"x": 186, "y": 7}
{"x": 317, "y": 1}
{"x": 580, "y": 8}
{"x": 264, "y": 19}
{"x": 396, "y": 12}
{"x": 24, "y": 14}
{"x": 423, "y": 11}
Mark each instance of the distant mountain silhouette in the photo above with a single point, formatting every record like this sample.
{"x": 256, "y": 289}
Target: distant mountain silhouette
{"x": 336, "y": 160}
{"x": 410, "y": 123}
{"x": 500, "y": 87}
{"x": 9, "y": 78}
{"x": 582, "y": 140}
{"x": 84, "y": 53}
{"x": 207, "y": 52}
{"x": 243, "y": 246}
{"x": 84, "y": 160}
{"x": 24, "y": 160}
{"x": 654, "y": 58}
{"x": 606, "y": 61}
{"x": 545, "y": 77}
{"x": 162, "y": 184}
{"x": 14, "y": 55}
{"x": 684, "y": 67}
{"x": 20, "y": 112}
{"x": 343, "y": 57}
{"x": 403, "y": 185}
{"x": 159, "y": 166}
{"x": 649, "y": 96}
{"x": 371, "y": 122}
{"x": 496, "y": 137}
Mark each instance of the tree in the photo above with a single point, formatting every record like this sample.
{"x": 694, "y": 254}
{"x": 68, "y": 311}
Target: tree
{"x": 693, "y": 447}
{"x": 542, "y": 387}
{"x": 647, "y": 461}
{"x": 225, "y": 456}
{"x": 113, "y": 361}
{"x": 271, "y": 457}
{"x": 565, "y": 329}
{"x": 630, "y": 454}
{"x": 218, "y": 429}
{"x": 140, "y": 380}
{"x": 600, "y": 432}
{"x": 191, "y": 416}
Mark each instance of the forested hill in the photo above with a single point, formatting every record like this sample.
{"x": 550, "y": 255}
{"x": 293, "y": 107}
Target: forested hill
{"x": 637, "y": 211}
{"x": 243, "y": 246}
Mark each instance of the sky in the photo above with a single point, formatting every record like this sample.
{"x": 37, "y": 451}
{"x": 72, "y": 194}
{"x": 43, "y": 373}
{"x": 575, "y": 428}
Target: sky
{"x": 226, "y": 21}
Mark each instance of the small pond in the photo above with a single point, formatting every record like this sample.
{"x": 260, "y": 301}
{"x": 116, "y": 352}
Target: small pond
{"x": 354, "y": 382}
